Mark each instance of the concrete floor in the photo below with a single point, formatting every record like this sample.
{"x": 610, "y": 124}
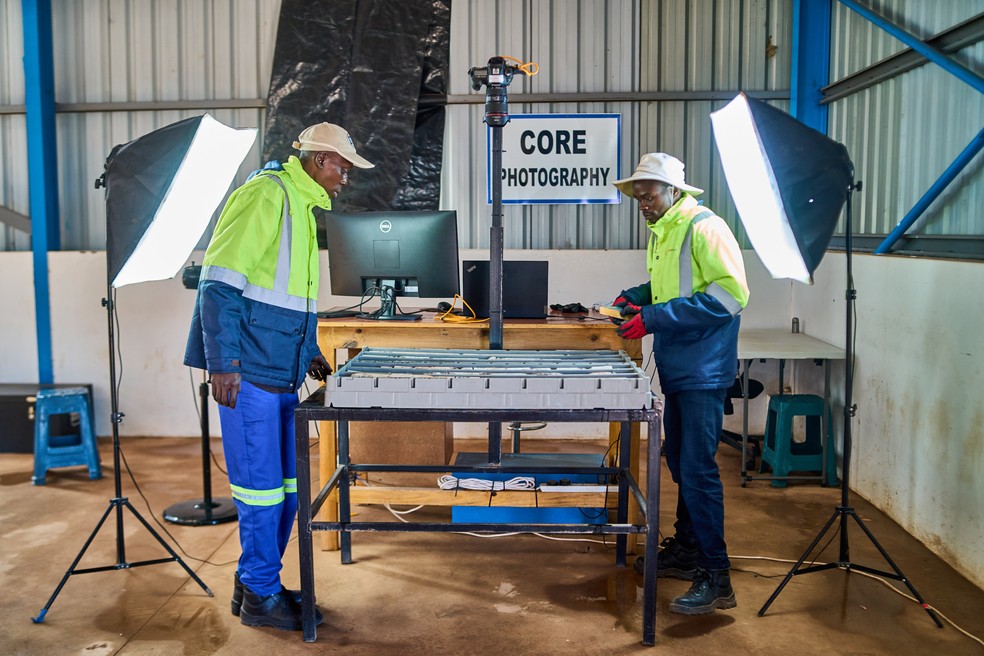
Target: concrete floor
{"x": 450, "y": 594}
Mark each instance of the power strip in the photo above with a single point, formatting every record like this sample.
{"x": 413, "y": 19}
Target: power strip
{"x": 579, "y": 488}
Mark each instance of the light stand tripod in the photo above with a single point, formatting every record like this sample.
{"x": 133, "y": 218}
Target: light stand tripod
{"x": 206, "y": 511}
{"x": 845, "y": 510}
{"x": 118, "y": 502}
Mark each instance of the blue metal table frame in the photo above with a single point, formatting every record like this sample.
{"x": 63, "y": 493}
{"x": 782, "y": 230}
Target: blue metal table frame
{"x": 314, "y": 409}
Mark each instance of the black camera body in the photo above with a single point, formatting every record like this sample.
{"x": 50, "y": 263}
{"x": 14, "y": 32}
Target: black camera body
{"x": 496, "y": 76}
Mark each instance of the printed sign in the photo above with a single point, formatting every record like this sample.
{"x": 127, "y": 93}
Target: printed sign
{"x": 559, "y": 159}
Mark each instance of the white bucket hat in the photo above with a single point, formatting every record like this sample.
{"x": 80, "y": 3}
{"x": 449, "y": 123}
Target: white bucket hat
{"x": 332, "y": 138}
{"x": 657, "y": 166}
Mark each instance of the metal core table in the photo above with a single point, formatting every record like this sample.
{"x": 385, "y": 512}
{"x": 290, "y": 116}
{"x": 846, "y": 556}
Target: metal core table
{"x": 557, "y": 331}
{"x": 622, "y": 483}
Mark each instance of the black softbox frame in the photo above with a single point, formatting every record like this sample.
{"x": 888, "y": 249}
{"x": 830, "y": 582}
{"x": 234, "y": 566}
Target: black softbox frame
{"x": 138, "y": 176}
{"x": 815, "y": 173}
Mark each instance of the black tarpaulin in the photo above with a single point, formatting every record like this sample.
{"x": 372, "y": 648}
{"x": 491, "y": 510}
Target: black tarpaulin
{"x": 379, "y": 69}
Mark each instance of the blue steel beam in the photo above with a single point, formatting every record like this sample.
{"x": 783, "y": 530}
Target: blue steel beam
{"x": 42, "y": 168}
{"x": 810, "y": 62}
{"x": 931, "y": 53}
{"x": 951, "y": 66}
{"x": 952, "y": 171}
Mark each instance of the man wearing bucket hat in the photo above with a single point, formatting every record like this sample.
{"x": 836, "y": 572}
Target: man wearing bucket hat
{"x": 690, "y": 305}
{"x": 254, "y": 328}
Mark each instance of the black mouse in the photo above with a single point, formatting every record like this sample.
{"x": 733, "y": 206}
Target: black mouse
{"x": 443, "y": 306}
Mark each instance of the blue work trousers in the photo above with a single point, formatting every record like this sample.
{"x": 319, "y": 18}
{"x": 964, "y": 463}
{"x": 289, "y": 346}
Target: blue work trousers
{"x": 258, "y": 438}
{"x": 692, "y": 426}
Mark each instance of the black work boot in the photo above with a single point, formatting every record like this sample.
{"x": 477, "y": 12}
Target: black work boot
{"x": 711, "y": 589}
{"x": 237, "y": 595}
{"x": 278, "y": 610}
{"x": 672, "y": 560}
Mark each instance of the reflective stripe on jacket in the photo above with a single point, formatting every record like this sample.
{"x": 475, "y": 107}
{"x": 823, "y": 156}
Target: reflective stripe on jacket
{"x": 697, "y": 289}
{"x": 255, "y": 313}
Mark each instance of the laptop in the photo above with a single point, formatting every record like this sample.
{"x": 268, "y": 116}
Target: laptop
{"x": 524, "y": 288}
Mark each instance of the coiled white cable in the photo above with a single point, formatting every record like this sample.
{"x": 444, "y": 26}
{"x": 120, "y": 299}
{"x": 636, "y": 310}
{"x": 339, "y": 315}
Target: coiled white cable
{"x": 448, "y": 482}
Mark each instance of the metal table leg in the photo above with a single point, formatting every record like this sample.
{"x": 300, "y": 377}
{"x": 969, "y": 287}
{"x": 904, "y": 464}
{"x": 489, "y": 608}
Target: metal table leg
{"x": 652, "y": 536}
{"x": 304, "y": 538}
{"x": 344, "y": 498}
{"x": 622, "y": 512}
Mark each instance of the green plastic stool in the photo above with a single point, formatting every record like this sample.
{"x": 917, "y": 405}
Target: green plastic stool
{"x": 784, "y": 455}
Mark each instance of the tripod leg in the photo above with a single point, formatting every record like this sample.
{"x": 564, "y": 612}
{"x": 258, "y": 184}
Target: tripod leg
{"x": 71, "y": 569}
{"x": 898, "y": 572}
{"x": 795, "y": 569}
{"x": 166, "y": 546}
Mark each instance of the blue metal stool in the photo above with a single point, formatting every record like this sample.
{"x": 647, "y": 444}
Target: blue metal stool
{"x": 64, "y": 450}
{"x": 784, "y": 455}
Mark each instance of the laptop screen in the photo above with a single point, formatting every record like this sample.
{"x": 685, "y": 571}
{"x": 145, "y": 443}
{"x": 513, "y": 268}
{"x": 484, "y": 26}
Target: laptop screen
{"x": 524, "y": 288}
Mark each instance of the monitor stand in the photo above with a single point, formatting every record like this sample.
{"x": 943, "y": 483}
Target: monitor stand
{"x": 387, "y": 308}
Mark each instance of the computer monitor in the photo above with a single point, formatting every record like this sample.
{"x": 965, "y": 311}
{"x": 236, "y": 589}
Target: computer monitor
{"x": 393, "y": 254}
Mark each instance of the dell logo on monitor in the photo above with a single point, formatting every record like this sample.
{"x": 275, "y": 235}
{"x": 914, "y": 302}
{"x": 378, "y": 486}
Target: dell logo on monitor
{"x": 385, "y": 226}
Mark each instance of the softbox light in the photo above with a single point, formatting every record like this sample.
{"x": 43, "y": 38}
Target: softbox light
{"x": 161, "y": 191}
{"x": 789, "y": 183}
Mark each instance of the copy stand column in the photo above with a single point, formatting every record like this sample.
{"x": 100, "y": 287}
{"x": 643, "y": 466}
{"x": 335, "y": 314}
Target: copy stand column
{"x": 496, "y": 76}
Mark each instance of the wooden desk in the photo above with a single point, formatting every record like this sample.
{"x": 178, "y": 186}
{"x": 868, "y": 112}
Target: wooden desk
{"x": 781, "y": 344}
{"x": 557, "y": 331}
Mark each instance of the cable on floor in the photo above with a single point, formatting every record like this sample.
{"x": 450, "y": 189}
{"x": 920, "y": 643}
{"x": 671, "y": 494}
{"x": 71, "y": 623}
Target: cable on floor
{"x": 399, "y": 515}
{"x": 153, "y": 516}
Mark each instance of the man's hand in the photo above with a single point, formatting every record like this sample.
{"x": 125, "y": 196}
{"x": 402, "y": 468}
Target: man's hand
{"x": 225, "y": 388}
{"x": 626, "y": 306}
{"x": 634, "y": 328}
{"x": 319, "y": 368}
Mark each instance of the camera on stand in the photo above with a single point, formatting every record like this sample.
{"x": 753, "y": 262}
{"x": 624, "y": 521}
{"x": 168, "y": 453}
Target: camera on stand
{"x": 496, "y": 76}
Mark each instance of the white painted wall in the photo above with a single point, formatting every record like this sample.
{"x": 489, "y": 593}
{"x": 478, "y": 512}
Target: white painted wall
{"x": 157, "y": 392}
{"x": 919, "y": 446}
{"x": 918, "y": 439}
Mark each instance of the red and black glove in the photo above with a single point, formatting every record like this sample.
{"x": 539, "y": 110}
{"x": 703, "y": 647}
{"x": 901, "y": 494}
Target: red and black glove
{"x": 626, "y": 306}
{"x": 634, "y": 328}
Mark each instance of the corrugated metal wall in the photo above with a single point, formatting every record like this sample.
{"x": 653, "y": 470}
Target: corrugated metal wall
{"x": 722, "y": 45}
{"x": 904, "y": 132}
{"x": 608, "y": 46}
{"x": 135, "y": 53}
{"x": 13, "y": 124}
{"x": 164, "y": 51}
{"x": 900, "y": 133}
{"x": 580, "y": 46}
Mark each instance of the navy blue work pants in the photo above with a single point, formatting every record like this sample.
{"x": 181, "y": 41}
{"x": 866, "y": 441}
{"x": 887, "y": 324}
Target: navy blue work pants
{"x": 692, "y": 423}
